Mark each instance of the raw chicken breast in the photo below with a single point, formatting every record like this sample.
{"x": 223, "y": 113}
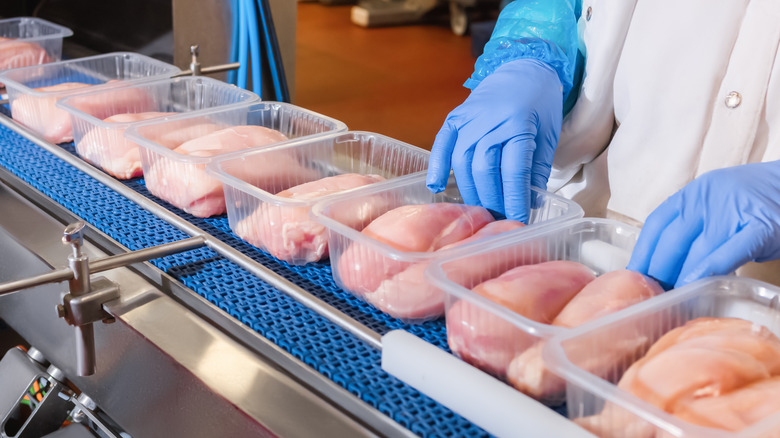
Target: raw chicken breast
{"x": 289, "y": 234}
{"x": 409, "y": 228}
{"x": 186, "y": 185}
{"x": 15, "y": 54}
{"x": 409, "y": 295}
{"x": 736, "y": 410}
{"x": 234, "y": 138}
{"x": 110, "y": 150}
{"x": 704, "y": 359}
{"x": 538, "y": 292}
{"x": 606, "y": 294}
{"x": 717, "y": 363}
{"x": 693, "y": 329}
{"x": 178, "y": 132}
{"x": 42, "y": 115}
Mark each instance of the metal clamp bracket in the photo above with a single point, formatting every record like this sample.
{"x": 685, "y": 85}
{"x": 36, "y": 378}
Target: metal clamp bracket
{"x": 83, "y": 305}
{"x": 88, "y": 308}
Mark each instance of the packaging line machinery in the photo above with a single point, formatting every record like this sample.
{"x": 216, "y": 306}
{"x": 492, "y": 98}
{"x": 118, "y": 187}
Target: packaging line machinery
{"x": 170, "y": 325}
{"x": 151, "y": 322}
{"x": 220, "y": 340}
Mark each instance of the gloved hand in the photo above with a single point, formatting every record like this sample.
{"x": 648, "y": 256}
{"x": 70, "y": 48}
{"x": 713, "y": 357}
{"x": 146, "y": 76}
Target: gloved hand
{"x": 502, "y": 138}
{"x": 714, "y": 225}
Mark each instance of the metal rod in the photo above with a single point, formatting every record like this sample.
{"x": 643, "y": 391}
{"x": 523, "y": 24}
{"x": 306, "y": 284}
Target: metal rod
{"x": 219, "y": 68}
{"x": 78, "y": 286}
{"x": 195, "y": 63}
{"x": 208, "y": 70}
{"x": 142, "y": 255}
{"x": 85, "y": 349}
{"x": 106, "y": 263}
{"x": 64, "y": 274}
{"x": 324, "y": 309}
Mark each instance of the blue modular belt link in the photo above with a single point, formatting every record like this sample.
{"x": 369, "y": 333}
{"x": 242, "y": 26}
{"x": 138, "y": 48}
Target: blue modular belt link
{"x": 331, "y": 350}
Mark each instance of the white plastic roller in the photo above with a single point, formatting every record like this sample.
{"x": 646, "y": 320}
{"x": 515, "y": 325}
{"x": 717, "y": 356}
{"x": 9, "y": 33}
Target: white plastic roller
{"x": 488, "y": 403}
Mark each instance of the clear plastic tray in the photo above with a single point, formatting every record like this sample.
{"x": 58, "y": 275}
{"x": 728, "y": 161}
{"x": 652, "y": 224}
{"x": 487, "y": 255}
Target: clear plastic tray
{"x": 281, "y": 225}
{"x": 36, "y": 109}
{"x": 41, "y": 42}
{"x": 181, "y": 179}
{"x": 602, "y": 245}
{"x": 404, "y": 293}
{"x": 100, "y": 140}
{"x": 589, "y": 392}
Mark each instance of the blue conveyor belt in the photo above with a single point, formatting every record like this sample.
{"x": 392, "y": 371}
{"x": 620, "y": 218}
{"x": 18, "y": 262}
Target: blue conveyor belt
{"x": 329, "y": 349}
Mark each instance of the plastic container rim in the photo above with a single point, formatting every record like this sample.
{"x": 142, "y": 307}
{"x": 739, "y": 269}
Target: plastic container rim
{"x": 64, "y": 32}
{"x": 216, "y": 170}
{"x": 27, "y": 90}
{"x": 415, "y": 256}
{"x": 65, "y": 106}
{"x": 132, "y": 131}
{"x": 435, "y": 274}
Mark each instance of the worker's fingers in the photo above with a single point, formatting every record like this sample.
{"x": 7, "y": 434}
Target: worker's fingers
{"x": 546, "y": 140}
{"x": 486, "y": 169}
{"x": 714, "y": 235}
{"x": 651, "y": 233}
{"x": 673, "y": 247}
{"x": 463, "y": 158}
{"x": 440, "y": 161}
{"x": 739, "y": 249}
{"x": 461, "y": 167}
{"x": 516, "y": 163}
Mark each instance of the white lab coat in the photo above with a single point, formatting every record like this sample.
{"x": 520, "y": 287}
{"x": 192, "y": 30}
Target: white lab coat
{"x": 654, "y": 109}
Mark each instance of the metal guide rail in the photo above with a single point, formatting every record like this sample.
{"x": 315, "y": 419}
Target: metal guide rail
{"x": 298, "y": 308}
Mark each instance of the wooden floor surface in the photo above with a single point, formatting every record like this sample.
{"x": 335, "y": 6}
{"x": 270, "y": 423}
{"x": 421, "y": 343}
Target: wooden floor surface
{"x": 397, "y": 81}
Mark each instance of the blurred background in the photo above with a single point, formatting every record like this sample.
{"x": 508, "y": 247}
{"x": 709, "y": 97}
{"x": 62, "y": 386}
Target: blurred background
{"x": 395, "y": 67}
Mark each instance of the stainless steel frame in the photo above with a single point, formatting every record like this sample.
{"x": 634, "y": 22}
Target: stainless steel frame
{"x": 334, "y": 315}
{"x": 172, "y": 364}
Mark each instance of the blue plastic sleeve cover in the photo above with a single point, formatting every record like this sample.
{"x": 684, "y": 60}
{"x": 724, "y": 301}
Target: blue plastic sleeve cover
{"x": 539, "y": 29}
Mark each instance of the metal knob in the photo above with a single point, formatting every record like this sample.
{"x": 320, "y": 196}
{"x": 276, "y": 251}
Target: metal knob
{"x": 85, "y": 403}
{"x": 74, "y": 236}
{"x": 36, "y": 355}
{"x": 195, "y": 64}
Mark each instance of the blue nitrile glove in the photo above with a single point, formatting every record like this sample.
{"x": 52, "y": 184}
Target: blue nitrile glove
{"x": 502, "y": 138}
{"x": 718, "y": 222}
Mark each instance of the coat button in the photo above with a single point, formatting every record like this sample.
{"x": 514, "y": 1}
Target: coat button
{"x": 588, "y": 13}
{"x": 733, "y": 99}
